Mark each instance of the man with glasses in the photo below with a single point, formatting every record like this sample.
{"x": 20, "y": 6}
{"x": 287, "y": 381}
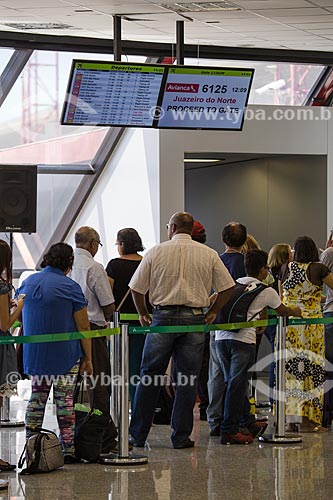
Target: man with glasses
{"x": 92, "y": 278}
{"x": 179, "y": 275}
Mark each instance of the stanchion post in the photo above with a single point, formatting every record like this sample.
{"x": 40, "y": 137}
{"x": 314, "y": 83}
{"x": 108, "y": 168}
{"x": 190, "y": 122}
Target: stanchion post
{"x": 124, "y": 394}
{"x": 279, "y": 436}
{"x": 115, "y": 370}
{"x": 5, "y": 415}
{"x": 123, "y": 457}
{"x": 280, "y": 378}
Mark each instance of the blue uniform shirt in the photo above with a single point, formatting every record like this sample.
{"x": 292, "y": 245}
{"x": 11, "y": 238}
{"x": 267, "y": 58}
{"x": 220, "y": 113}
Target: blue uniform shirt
{"x": 51, "y": 300}
{"x": 234, "y": 262}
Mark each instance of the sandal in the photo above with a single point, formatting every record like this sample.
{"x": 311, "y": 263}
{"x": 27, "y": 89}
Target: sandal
{"x": 6, "y": 466}
{"x": 315, "y": 428}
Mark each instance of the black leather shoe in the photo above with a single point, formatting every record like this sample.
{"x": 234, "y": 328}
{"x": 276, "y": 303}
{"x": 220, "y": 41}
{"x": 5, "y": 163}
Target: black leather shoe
{"x": 71, "y": 459}
{"x": 215, "y": 432}
{"x": 185, "y": 444}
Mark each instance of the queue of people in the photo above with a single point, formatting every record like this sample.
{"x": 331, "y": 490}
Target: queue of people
{"x": 181, "y": 282}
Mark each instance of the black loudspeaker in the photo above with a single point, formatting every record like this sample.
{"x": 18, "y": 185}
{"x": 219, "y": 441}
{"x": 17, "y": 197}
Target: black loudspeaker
{"x": 18, "y": 198}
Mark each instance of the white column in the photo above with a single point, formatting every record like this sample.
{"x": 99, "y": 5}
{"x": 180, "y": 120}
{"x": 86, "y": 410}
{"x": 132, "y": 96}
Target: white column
{"x": 329, "y": 174}
{"x": 171, "y": 171}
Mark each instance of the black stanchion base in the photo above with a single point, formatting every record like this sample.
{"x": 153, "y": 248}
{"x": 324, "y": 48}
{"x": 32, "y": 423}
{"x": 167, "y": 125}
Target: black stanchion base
{"x": 11, "y": 423}
{"x": 132, "y": 459}
{"x": 286, "y": 439}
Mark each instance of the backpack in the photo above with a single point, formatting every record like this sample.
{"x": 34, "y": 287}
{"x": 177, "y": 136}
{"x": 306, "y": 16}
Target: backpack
{"x": 90, "y": 427}
{"x": 42, "y": 453}
{"x": 236, "y": 309}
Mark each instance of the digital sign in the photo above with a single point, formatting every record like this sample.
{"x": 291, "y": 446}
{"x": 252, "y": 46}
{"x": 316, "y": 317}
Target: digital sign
{"x": 205, "y": 98}
{"x": 102, "y": 93}
{"x": 158, "y": 96}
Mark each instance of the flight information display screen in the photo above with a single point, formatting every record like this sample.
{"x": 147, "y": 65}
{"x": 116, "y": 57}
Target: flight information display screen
{"x": 198, "y": 97}
{"x": 104, "y": 93}
{"x": 158, "y": 96}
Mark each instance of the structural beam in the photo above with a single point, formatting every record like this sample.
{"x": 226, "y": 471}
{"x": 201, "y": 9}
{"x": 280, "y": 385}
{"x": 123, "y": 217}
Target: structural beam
{"x": 151, "y": 49}
{"x": 117, "y": 38}
{"x": 180, "y": 42}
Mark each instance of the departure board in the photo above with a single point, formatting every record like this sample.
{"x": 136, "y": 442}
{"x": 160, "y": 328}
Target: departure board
{"x": 159, "y": 96}
{"x": 102, "y": 93}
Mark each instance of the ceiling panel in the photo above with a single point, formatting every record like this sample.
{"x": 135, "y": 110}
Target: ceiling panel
{"x": 312, "y": 26}
{"x": 305, "y": 19}
{"x": 21, "y": 4}
{"x": 273, "y": 4}
{"x": 227, "y": 15}
{"x": 322, "y": 3}
{"x": 125, "y": 8}
{"x": 276, "y": 13}
{"x": 265, "y": 23}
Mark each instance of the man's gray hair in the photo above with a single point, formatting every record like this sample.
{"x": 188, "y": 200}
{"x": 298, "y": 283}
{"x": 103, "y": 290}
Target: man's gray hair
{"x": 85, "y": 235}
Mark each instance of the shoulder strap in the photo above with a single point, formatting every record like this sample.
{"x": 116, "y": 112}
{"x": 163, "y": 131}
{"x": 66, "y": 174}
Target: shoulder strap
{"x": 33, "y": 467}
{"x": 123, "y": 300}
{"x": 260, "y": 288}
{"x": 22, "y": 457}
{"x": 78, "y": 390}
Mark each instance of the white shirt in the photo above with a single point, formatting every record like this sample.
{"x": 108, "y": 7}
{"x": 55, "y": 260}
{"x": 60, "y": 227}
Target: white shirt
{"x": 181, "y": 272}
{"x": 92, "y": 278}
{"x": 268, "y": 297}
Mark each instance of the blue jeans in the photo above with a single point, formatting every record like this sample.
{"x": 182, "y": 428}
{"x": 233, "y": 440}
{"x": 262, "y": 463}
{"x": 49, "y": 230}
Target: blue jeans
{"x": 216, "y": 387}
{"x": 187, "y": 350}
{"x": 236, "y": 359}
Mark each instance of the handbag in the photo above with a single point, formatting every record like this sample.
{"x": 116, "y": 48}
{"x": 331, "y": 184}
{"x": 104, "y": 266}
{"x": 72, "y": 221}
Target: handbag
{"x": 90, "y": 426}
{"x": 42, "y": 453}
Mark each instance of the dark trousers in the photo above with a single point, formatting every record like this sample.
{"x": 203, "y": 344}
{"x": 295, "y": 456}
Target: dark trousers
{"x": 328, "y": 397}
{"x": 99, "y": 396}
{"x": 203, "y": 377}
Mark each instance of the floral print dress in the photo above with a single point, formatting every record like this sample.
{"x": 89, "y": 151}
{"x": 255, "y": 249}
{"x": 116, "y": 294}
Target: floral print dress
{"x": 305, "y": 346}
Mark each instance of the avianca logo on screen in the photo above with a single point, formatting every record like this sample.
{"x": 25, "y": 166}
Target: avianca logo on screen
{"x": 183, "y": 87}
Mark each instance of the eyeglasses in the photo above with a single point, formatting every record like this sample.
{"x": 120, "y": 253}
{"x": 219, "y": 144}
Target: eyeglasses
{"x": 99, "y": 243}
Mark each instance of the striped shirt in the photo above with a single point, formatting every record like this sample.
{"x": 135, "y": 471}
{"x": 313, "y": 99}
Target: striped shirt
{"x": 181, "y": 272}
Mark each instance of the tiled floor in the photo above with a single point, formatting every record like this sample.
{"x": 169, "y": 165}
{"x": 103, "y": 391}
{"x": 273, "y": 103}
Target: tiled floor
{"x": 208, "y": 471}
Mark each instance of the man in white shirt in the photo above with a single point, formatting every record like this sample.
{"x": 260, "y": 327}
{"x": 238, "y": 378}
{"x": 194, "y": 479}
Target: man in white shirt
{"x": 92, "y": 278}
{"x": 179, "y": 274}
{"x": 236, "y": 353}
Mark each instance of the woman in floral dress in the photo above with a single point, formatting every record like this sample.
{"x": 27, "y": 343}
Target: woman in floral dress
{"x": 305, "y": 364}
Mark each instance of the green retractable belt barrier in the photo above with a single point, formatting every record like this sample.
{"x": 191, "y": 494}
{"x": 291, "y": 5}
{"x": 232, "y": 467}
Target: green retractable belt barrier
{"x": 58, "y": 337}
{"x": 135, "y": 330}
